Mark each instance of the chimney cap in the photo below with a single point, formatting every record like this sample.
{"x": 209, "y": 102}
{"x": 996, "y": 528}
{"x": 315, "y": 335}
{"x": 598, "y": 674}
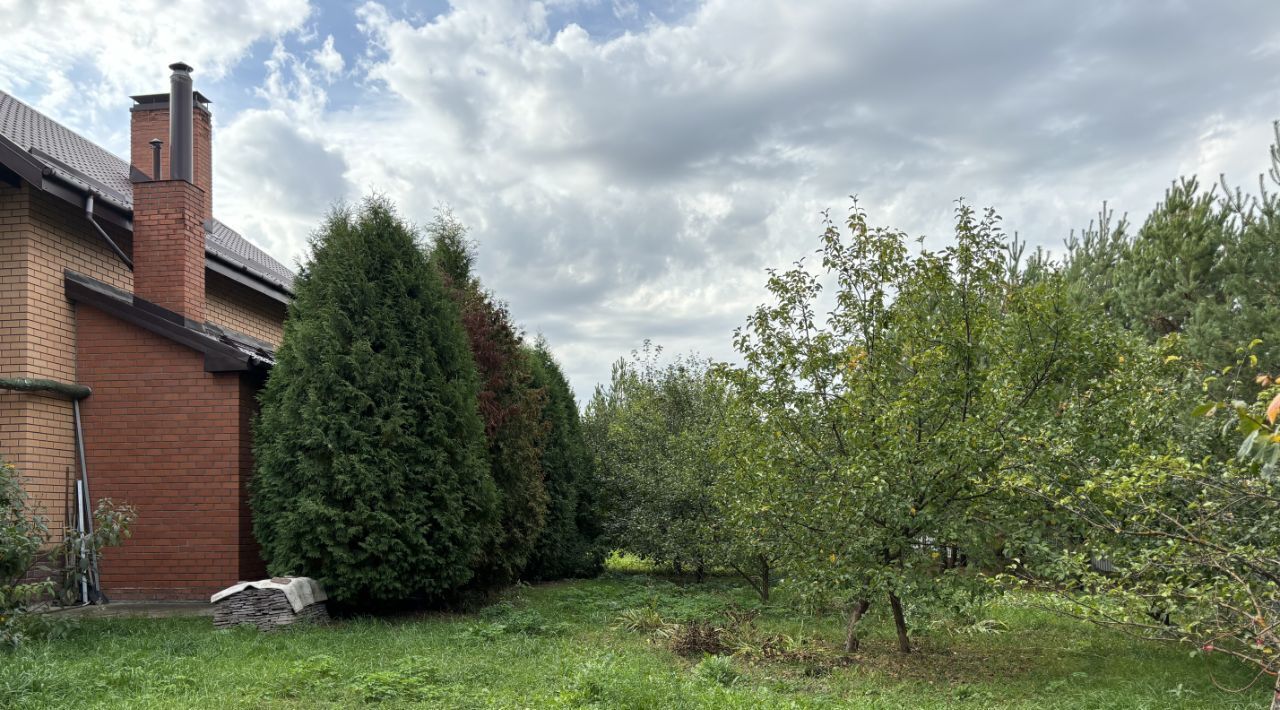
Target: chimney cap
{"x": 181, "y": 67}
{"x": 156, "y": 141}
{"x": 144, "y": 102}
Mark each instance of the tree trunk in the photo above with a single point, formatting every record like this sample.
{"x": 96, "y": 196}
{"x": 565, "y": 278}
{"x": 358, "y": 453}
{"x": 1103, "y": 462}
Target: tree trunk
{"x": 764, "y": 579}
{"x": 761, "y": 586}
{"x": 1275, "y": 699}
{"x": 904, "y": 642}
{"x": 851, "y": 632}
{"x": 677, "y": 568}
{"x": 700, "y": 573}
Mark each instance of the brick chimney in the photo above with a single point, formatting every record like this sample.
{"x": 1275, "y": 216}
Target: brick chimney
{"x": 170, "y": 209}
{"x": 149, "y": 119}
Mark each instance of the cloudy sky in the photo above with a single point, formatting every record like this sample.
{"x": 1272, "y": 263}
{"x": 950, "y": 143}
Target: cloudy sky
{"x": 629, "y": 168}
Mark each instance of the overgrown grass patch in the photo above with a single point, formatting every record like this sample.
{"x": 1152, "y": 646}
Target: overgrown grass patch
{"x": 561, "y": 645}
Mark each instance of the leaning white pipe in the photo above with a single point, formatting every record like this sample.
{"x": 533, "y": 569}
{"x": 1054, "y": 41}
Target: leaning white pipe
{"x": 91, "y": 570}
{"x": 80, "y": 516}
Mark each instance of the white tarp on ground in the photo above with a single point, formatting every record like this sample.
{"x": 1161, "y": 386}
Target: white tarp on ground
{"x": 300, "y": 591}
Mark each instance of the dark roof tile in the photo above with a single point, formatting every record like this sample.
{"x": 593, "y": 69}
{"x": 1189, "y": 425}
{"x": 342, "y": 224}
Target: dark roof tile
{"x": 31, "y": 129}
{"x": 224, "y": 242}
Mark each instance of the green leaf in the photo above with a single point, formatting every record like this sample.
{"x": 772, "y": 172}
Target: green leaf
{"x": 1205, "y": 410}
{"x": 1246, "y": 446}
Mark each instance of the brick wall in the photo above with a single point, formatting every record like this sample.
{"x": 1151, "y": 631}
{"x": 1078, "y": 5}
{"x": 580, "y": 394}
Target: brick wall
{"x": 14, "y": 215}
{"x": 14, "y": 231}
{"x": 40, "y": 236}
{"x": 235, "y": 307}
{"x": 171, "y": 440}
{"x": 168, "y": 246}
{"x": 146, "y": 124}
{"x": 202, "y": 157}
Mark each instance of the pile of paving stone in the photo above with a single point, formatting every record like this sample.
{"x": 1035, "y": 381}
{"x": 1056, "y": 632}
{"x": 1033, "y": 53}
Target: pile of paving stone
{"x": 265, "y": 609}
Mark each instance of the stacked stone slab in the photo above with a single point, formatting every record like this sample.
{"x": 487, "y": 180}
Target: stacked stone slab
{"x": 265, "y": 609}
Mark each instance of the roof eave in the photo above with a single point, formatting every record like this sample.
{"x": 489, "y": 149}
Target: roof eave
{"x": 12, "y": 156}
{"x": 246, "y": 277}
{"x": 44, "y": 178}
{"x": 218, "y": 356}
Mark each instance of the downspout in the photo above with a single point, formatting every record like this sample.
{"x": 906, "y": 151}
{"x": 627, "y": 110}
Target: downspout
{"x": 88, "y": 213}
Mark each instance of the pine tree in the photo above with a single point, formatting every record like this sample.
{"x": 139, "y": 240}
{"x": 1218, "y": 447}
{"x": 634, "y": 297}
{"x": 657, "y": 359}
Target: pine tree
{"x": 510, "y": 403}
{"x": 371, "y": 467}
{"x": 1172, "y": 272}
{"x": 569, "y": 545}
{"x": 1200, "y": 267}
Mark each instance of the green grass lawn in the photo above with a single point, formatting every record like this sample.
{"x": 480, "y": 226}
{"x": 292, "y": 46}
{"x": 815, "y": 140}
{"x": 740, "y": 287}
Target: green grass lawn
{"x": 561, "y": 645}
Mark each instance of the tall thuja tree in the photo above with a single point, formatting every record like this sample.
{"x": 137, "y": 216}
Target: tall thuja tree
{"x": 569, "y": 545}
{"x": 510, "y": 403}
{"x": 371, "y": 467}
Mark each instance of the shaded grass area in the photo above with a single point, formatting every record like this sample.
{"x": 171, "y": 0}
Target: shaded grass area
{"x": 568, "y": 645}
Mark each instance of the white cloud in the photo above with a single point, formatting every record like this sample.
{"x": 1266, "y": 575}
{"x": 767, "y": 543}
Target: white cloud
{"x": 636, "y": 183}
{"x": 275, "y": 169}
{"x": 293, "y": 86}
{"x": 80, "y": 62}
{"x": 636, "y": 186}
{"x": 276, "y": 181}
{"x": 626, "y": 9}
{"x": 328, "y": 59}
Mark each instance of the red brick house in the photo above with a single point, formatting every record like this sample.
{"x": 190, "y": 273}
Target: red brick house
{"x": 115, "y": 274}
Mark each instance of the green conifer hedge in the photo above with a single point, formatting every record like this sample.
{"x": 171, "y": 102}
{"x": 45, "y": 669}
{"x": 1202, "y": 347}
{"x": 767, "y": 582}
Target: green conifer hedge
{"x": 371, "y": 468}
{"x": 509, "y": 404}
{"x": 570, "y": 543}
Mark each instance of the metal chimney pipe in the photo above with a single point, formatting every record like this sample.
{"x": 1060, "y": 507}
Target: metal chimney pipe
{"x": 155, "y": 158}
{"x": 181, "y": 148}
